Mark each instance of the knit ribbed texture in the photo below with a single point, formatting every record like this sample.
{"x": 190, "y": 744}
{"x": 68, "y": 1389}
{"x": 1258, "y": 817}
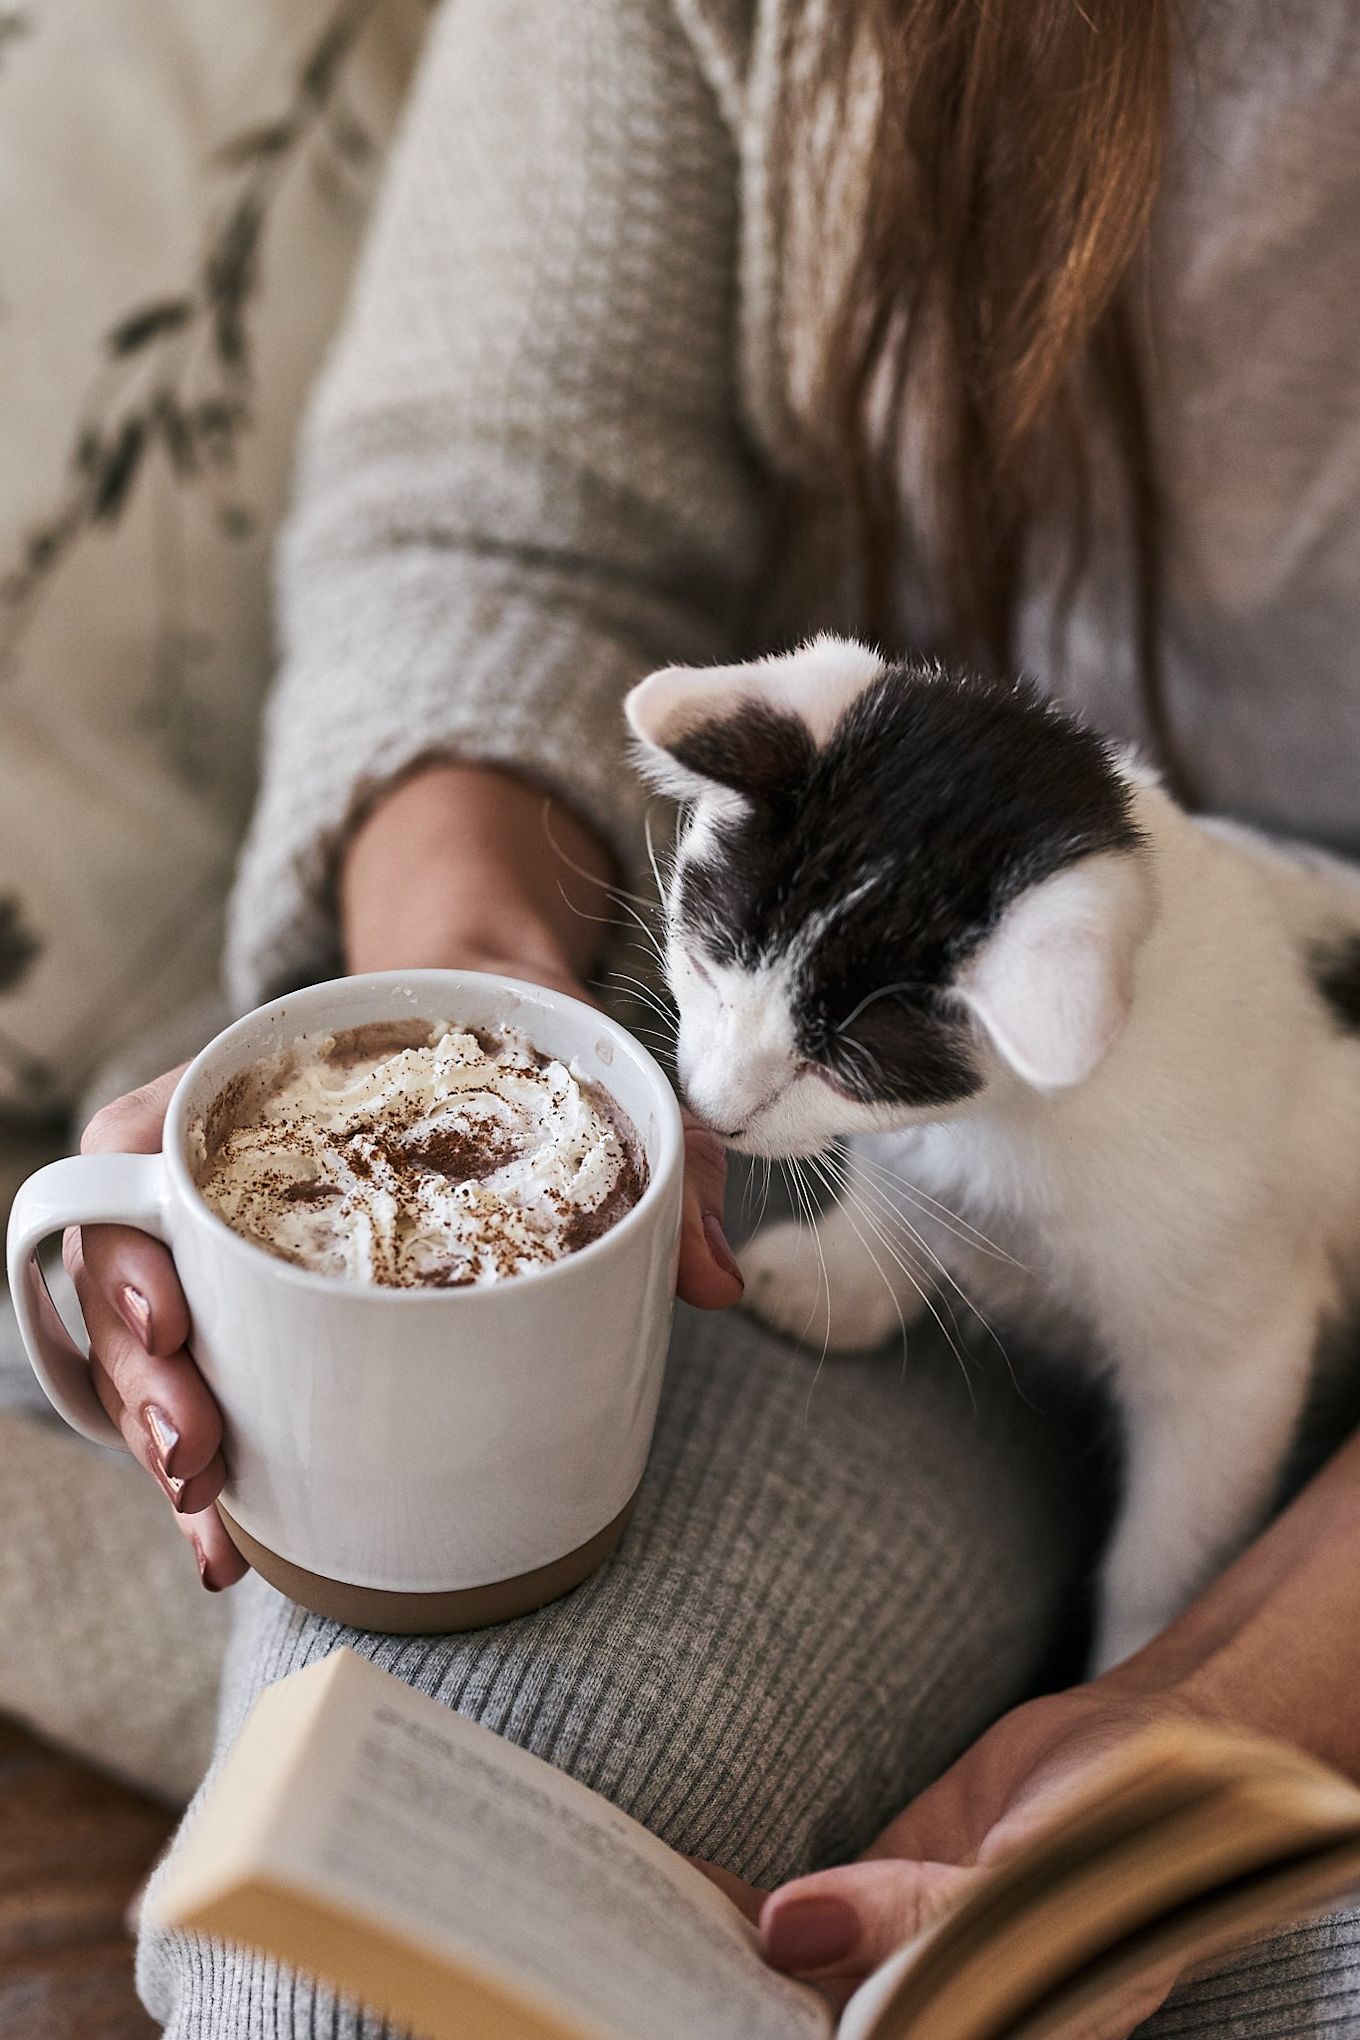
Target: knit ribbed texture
{"x": 524, "y": 490}
{"x": 1303, "y": 1985}
{"x": 835, "y": 1578}
{"x": 832, "y": 1581}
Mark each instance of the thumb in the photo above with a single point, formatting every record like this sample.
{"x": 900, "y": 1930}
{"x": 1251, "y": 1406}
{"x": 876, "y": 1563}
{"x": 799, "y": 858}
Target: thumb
{"x": 709, "y": 1275}
{"x": 845, "y": 1922}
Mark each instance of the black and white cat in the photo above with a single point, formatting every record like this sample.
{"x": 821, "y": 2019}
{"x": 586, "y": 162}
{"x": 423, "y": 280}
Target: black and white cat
{"x": 938, "y": 920}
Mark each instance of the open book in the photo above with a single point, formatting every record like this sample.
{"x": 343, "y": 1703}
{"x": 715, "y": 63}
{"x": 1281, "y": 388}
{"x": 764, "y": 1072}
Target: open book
{"x": 419, "y": 1863}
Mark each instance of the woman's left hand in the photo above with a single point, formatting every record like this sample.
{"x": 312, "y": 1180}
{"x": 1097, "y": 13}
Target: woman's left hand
{"x": 1272, "y": 1646}
{"x": 835, "y": 1926}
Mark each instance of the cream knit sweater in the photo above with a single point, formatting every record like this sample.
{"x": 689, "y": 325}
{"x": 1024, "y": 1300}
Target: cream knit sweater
{"x": 548, "y": 449}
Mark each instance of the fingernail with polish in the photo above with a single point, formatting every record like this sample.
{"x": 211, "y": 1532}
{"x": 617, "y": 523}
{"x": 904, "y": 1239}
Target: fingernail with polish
{"x": 808, "y": 1933}
{"x": 204, "y": 1573}
{"x": 164, "y": 1445}
{"x": 718, "y": 1247}
{"x": 135, "y": 1312}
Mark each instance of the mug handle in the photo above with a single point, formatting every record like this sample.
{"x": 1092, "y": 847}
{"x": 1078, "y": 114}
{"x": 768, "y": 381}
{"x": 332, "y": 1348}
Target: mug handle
{"x": 81, "y": 1190}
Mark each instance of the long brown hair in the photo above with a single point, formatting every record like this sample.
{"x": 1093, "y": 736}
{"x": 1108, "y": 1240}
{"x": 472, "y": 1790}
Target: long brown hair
{"x": 1013, "y": 163}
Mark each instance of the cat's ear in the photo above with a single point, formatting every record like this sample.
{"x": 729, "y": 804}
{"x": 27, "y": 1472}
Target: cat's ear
{"x": 751, "y": 729}
{"x": 1053, "y": 984}
{"x": 699, "y": 728}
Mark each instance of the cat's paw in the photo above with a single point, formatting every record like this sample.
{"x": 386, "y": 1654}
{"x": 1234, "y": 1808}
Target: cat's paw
{"x": 786, "y": 1288}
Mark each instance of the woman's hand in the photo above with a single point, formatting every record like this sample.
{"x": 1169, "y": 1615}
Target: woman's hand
{"x": 455, "y": 869}
{"x": 137, "y": 1320}
{"x": 834, "y": 1927}
{"x": 1272, "y": 1646}
{"x": 467, "y": 867}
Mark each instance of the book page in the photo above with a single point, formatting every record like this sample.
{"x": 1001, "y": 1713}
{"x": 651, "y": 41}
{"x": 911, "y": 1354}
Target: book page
{"x": 406, "y": 1814}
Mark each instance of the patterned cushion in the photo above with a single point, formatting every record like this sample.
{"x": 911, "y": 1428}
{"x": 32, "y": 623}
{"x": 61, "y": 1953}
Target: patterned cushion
{"x": 182, "y": 189}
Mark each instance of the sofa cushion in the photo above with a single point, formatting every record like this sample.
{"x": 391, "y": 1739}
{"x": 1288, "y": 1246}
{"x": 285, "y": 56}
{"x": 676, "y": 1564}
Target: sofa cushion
{"x": 183, "y": 187}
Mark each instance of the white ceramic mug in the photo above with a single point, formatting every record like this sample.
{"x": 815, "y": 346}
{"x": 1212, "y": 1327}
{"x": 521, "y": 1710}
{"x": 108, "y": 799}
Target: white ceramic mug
{"x": 399, "y": 1458}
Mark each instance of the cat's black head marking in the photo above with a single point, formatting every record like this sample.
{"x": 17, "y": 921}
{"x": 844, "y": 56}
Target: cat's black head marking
{"x": 886, "y": 856}
{"x": 761, "y": 751}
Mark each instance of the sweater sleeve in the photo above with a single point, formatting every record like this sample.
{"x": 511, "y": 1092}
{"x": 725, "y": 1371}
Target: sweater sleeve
{"x": 523, "y": 482}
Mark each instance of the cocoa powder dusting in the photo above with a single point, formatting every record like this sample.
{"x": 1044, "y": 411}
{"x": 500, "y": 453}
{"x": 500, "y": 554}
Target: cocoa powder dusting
{"x": 459, "y": 1154}
{"x": 397, "y": 1145}
{"x": 584, "y": 1226}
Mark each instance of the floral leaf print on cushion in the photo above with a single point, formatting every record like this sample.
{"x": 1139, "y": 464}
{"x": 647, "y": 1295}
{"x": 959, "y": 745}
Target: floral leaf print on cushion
{"x": 207, "y": 182}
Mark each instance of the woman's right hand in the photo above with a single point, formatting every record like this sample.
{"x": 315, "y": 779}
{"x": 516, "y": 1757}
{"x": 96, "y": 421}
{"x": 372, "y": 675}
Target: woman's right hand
{"x": 453, "y": 870}
{"x": 466, "y": 866}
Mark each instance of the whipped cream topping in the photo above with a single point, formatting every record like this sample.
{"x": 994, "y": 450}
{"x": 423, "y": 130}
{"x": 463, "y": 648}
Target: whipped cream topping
{"x": 417, "y": 1156}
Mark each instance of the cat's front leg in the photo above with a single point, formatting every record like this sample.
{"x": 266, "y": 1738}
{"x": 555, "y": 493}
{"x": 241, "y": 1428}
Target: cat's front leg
{"x": 833, "y": 1282}
{"x": 1207, "y": 1435}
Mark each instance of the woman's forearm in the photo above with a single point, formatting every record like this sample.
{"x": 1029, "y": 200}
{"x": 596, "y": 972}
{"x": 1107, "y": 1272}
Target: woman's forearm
{"x": 464, "y": 861}
{"x": 1274, "y": 1644}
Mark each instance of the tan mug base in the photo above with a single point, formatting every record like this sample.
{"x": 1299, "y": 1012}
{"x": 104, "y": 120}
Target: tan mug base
{"x": 429, "y": 1614}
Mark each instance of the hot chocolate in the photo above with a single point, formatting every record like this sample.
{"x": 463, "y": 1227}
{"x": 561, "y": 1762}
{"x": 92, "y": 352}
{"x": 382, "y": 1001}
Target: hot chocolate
{"x": 417, "y": 1156}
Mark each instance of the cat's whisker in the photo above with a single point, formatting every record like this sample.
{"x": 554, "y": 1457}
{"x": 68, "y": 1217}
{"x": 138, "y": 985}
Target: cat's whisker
{"x": 887, "y": 1206}
{"x": 898, "y": 1179}
{"x": 661, "y": 889}
{"x": 936, "y": 1303}
{"x": 658, "y": 1026}
{"x": 583, "y": 913}
{"x": 654, "y": 1031}
{"x": 889, "y": 1200}
{"x": 810, "y": 1204}
{"x": 643, "y": 986}
{"x": 883, "y": 992}
{"x": 803, "y": 1216}
{"x": 650, "y": 952}
{"x": 882, "y": 1271}
{"x": 756, "y": 1182}
{"x": 845, "y": 1194}
{"x": 765, "y": 1189}
{"x": 895, "y": 1251}
{"x": 807, "y": 1206}
{"x": 747, "y": 1190}
{"x": 944, "y": 1214}
{"x": 652, "y": 938}
{"x": 890, "y": 1210}
{"x": 866, "y": 1055}
{"x": 638, "y": 988}
{"x": 615, "y": 892}
{"x": 612, "y": 920}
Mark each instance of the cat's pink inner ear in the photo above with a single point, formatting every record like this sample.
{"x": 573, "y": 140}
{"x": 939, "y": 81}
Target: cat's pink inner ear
{"x": 1054, "y": 984}
{"x": 668, "y": 706}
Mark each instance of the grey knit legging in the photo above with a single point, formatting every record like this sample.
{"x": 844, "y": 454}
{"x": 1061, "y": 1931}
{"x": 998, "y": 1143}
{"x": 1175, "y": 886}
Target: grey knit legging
{"x": 834, "y": 1579}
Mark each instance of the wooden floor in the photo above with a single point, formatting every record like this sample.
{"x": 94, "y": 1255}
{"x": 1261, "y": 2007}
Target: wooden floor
{"x": 74, "y": 1847}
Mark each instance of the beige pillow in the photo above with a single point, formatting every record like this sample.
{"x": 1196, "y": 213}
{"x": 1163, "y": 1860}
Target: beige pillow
{"x": 111, "y": 1646}
{"x": 183, "y": 187}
